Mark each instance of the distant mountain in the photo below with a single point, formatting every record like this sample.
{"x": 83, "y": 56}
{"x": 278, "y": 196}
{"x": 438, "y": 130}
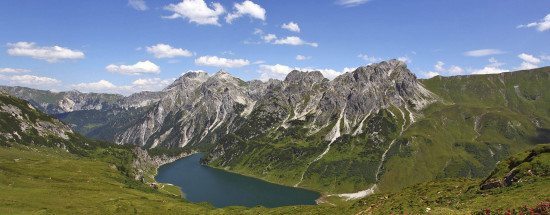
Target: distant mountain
{"x": 376, "y": 128}
{"x": 21, "y": 123}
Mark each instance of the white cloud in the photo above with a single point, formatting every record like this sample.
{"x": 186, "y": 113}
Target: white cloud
{"x": 30, "y": 81}
{"x": 545, "y": 57}
{"x": 279, "y": 71}
{"x": 166, "y": 51}
{"x": 221, "y": 62}
{"x": 302, "y": 57}
{"x": 455, "y": 70}
{"x": 258, "y": 31}
{"x": 138, "y": 4}
{"x": 51, "y": 54}
{"x": 141, "y": 67}
{"x": 293, "y": 41}
{"x": 405, "y": 59}
{"x": 483, "y": 52}
{"x": 440, "y": 68}
{"x": 430, "y": 74}
{"x": 368, "y": 58}
{"x": 489, "y": 70}
{"x": 529, "y": 61}
{"x": 246, "y": 8}
{"x": 269, "y": 37}
{"x": 100, "y": 86}
{"x": 152, "y": 84}
{"x": 276, "y": 71}
{"x": 351, "y": 3}
{"x": 529, "y": 58}
{"x": 542, "y": 25}
{"x": 348, "y": 69}
{"x": 13, "y": 70}
{"x": 196, "y": 11}
{"x": 495, "y": 63}
{"x": 291, "y": 26}
{"x": 139, "y": 85}
{"x": 273, "y": 39}
{"x": 492, "y": 68}
{"x": 527, "y": 65}
{"x": 329, "y": 73}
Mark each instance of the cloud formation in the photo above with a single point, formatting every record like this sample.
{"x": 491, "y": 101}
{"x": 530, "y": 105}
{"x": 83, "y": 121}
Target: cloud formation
{"x": 220, "y": 62}
{"x": 279, "y": 71}
{"x": 529, "y": 61}
{"x": 302, "y": 57}
{"x": 104, "y": 86}
{"x": 138, "y": 4}
{"x": 483, "y": 52}
{"x": 141, "y": 67}
{"x": 51, "y": 54}
{"x": 542, "y": 25}
{"x": 13, "y": 70}
{"x": 294, "y": 41}
{"x": 431, "y": 74}
{"x": 351, "y": 3}
{"x": 246, "y": 8}
{"x": 441, "y": 69}
{"x": 290, "y": 40}
{"x": 368, "y": 58}
{"x": 166, "y": 51}
{"x": 39, "y": 82}
{"x": 492, "y": 68}
{"x": 291, "y": 26}
{"x": 196, "y": 11}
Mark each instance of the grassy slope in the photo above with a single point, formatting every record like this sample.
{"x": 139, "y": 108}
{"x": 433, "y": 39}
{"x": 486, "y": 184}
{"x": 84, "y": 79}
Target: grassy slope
{"x": 45, "y": 180}
{"x": 461, "y": 196}
{"x": 36, "y": 178}
{"x": 51, "y": 181}
{"x": 480, "y": 120}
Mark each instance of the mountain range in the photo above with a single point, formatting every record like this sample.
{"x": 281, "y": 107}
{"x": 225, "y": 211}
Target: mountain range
{"x": 378, "y": 128}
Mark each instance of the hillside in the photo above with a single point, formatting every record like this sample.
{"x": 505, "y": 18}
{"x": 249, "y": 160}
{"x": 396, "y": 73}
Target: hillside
{"x": 378, "y": 128}
{"x": 50, "y": 180}
{"x": 464, "y": 134}
{"x": 56, "y": 171}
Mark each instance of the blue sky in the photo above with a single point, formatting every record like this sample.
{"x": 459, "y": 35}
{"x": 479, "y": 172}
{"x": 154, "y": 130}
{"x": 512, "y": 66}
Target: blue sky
{"x": 122, "y": 46}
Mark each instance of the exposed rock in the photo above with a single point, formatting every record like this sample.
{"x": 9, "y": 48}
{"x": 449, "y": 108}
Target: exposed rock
{"x": 198, "y": 109}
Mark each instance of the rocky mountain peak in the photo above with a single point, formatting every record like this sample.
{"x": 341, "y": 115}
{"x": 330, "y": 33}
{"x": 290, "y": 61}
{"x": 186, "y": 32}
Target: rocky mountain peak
{"x": 383, "y": 70}
{"x": 299, "y": 77}
{"x": 188, "y": 80}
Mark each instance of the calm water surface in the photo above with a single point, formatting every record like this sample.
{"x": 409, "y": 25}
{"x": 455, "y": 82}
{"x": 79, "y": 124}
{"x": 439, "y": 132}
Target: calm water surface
{"x": 220, "y": 188}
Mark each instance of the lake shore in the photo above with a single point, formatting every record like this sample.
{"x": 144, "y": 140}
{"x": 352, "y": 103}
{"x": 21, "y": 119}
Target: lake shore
{"x": 223, "y": 188}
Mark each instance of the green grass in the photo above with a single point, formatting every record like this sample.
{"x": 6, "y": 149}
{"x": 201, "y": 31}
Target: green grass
{"x": 44, "y": 181}
{"x": 41, "y": 180}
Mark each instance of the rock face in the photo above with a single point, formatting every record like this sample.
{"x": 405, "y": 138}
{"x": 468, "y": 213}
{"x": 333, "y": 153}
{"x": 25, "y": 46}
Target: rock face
{"x": 202, "y": 109}
{"x": 198, "y": 109}
{"x": 350, "y": 134}
{"x": 71, "y": 101}
{"x": 191, "y": 111}
{"x": 22, "y": 123}
{"x": 518, "y": 168}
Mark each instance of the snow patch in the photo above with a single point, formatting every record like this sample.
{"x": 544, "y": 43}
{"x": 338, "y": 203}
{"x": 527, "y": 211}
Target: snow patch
{"x": 358, "y": 195}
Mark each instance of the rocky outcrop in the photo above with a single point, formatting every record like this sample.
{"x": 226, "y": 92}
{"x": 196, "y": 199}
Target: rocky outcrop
{"x": 198, "y": 109}
{"x": 22, "y": 123}
{"x": 144, "y": 163}
{"x": 533, "y": 163}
